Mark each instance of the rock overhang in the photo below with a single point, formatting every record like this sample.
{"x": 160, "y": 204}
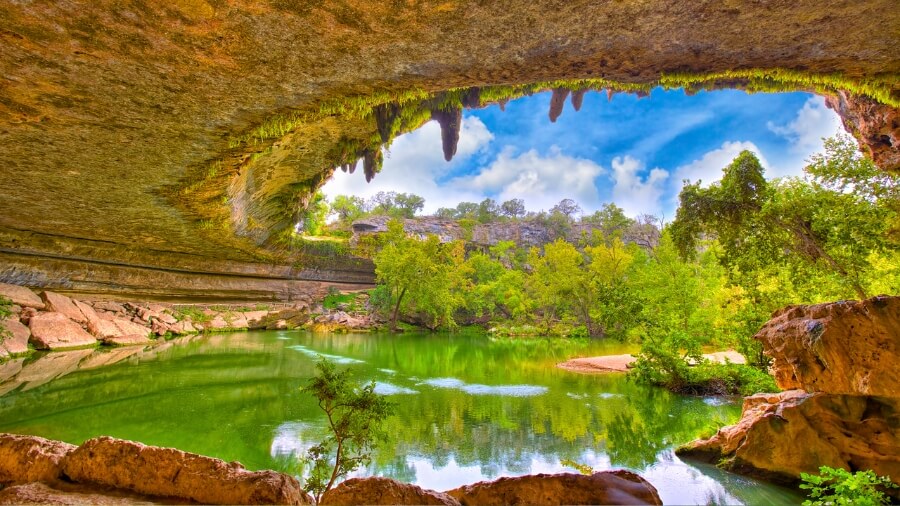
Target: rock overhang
{"x": 200, "y": 129}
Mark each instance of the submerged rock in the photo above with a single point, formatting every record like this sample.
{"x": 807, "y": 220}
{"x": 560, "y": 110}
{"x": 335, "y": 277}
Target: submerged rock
{"x": 848, "y": 347}
{"x": 608, "y": 487}
{"x": 173, "y": 473}
{"x": 383, "y": 491}
{"x": 782, "y": 435}
{"x": 25, "y": 459}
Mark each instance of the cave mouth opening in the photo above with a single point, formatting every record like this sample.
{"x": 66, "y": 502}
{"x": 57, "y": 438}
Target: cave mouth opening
{"x": 590, "y": 146}
{"x": 269, "y": 176}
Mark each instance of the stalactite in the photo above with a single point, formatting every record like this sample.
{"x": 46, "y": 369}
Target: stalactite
{"x": 372, "y": 161}
{"x": 557, "y": 101}
{"x": 472, "y": 97}
{"x": 578, "y": 98}
{"x": 502, "y": 104}
{"x": 351, "y": 167}
{"x": 385, "y": 116}
{"x": 609, "y": 94}
{"x": 450, "y": 122}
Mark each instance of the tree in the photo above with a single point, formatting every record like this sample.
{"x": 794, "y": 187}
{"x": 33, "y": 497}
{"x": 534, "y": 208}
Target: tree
{"x": 488, "y": 211}
{"x": 408, "y": 204}
{"x": 611, "y": 221}
{"x": 567, "y": 207}
{"x": 806, "y": 225}
{"x": 313, "y": 219}
{"x": 513, "y": 208}
{"x": 348, "y": 208}
{"x": 354, "y": 415}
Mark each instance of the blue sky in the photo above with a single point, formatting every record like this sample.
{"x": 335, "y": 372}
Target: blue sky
{"x": 634, "y": 152}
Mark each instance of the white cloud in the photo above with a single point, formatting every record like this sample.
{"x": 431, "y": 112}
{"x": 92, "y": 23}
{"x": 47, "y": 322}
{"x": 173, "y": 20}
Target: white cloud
{"x": 708, "y": 167}
{"x": 813, "y": 122}
{"x": 414, "y": 164}
{"x": 541, "y": 180}
{"x": 634, "y": 193}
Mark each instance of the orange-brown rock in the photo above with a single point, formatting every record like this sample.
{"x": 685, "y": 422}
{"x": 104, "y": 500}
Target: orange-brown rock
{"x": 54, "y": 331}
{"x": 59, "y": 303}
{"x": 173, "y": 473}
{"x": 24, "y": 459}
{"x": 875, "y": 125}
{"x": 782, "y": 435}
{"x": 66, "y": 495}
{"x": 608, "y": 487}
{"x": 16, "y": 341}
{"x": 384, "y": 491}
{"x": 21, "y": 296}
{"x": 847, "y": 347}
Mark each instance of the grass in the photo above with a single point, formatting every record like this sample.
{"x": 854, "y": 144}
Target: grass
{"x": 193, "y": 313}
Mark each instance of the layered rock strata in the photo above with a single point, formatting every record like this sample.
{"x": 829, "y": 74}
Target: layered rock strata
{"x": 846, "y": 413}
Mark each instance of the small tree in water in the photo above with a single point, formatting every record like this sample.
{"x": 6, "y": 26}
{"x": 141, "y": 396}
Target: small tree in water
{"x": 355, "y": 415}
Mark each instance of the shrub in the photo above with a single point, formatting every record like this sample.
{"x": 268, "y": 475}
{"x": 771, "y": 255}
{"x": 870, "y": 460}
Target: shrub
{"x": 354, "y": 417}
{"x": 840, "y": 487}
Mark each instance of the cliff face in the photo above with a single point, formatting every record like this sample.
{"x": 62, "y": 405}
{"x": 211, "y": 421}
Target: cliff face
{"x": 200, "y": 128}
{"x": 523, "y": 233}
{"x": 846, "y": 354}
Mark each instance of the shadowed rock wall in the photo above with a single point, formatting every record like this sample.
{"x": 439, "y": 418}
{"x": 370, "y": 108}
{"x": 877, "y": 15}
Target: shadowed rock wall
{"x": 112, "y": 113}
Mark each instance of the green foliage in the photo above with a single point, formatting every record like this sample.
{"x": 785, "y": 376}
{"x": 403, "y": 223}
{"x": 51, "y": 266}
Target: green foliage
{"x": 312, "y": 221}
{"x": 355, "y": 416}
{"x": 5, "y": 312}
{"x": 578, "y": 466}
{"x": 192, "y": 313}
{"x": 796, "y": 239}
{"x": 841, "y": 487}
{"x": 332, "y": 300}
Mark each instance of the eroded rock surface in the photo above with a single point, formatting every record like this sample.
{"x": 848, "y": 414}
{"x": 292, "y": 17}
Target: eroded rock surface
{"x": 782, "y": 435}
{"x": 21, "y": 296}
{"x": 169, "y": 472}
{"x": 55, "y": 331}
{"x": 875, "y": 125}
{"x": 383, "y": 491}
{"x": 67, "y": 495}
{"x": 609, "y": 487}
{"x": 25, "y": 459}
{"x": 848, "y": 347}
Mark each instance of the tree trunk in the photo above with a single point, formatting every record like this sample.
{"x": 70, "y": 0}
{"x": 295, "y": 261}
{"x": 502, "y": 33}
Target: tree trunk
{"x": 397, "y": 310}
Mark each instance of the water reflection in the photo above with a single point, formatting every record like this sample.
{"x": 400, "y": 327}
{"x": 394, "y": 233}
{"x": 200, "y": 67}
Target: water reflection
{"x": 468, "y": 408}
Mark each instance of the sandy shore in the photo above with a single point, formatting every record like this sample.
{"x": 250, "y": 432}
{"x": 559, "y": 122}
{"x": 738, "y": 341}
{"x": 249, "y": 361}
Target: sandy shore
{"x": 620, "y": 363}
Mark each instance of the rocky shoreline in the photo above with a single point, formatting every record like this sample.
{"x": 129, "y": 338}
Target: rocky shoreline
{"x": 106, "y": 470}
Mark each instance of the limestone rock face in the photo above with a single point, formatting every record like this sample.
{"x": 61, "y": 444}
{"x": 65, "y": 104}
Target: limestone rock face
{"x": 609, "y": 487}
{"x": 169, "y": 472}
{"x": 39, "y": 493}
{"x": 25, "y": 459}
{"x": 384, "y": 491}
{"x": 55, "y": 331}
{"x": 782, "y": 435}
{"x": 849, "y": 347}
{"x": 876, "y": 126}
{"x": 21, "y": 296}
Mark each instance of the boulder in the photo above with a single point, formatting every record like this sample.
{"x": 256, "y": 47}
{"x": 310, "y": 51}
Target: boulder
{"x": 782, "y": 435}
{"x": 16, "y": 342}
{"x": 608, "y": 487}
{"x": 112, "y": 307}
{"x": 66, "y": 494}
{"x": 182, "y": 327}
{"x": 64, "y": 305}
{"x": 377, "y": 490}
{"x": 173, "y": 473}
{"x": 130, "y": 340}
{"x": 848, "y": 347}
{"x": 55, "y": 331}
{"x": 21, "y": 296}
{"x": 218, "y": 323}
{"x": 25, "y": 459}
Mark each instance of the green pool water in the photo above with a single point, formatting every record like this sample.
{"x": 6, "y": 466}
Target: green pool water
{"x": 468, "y": 408}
